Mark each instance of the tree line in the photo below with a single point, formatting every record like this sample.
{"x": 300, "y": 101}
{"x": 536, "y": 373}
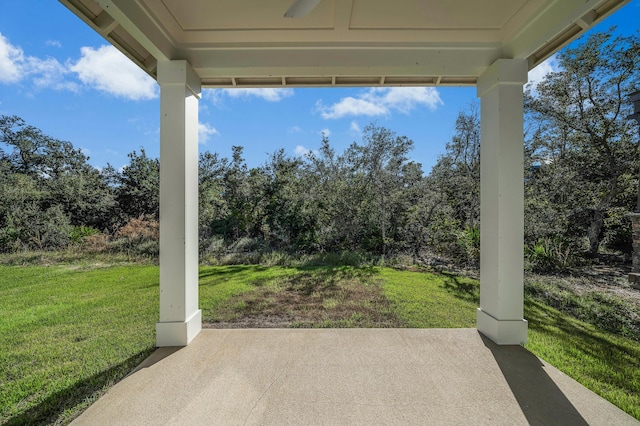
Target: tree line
{"x": 581, "y": 179}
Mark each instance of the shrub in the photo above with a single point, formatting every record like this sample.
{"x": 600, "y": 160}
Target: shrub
{"x": 617, "y": 234}
{"x": 245, "y": 245}
{"x": 138, "y": 237}
{"x": 469, "y": 238}
{"x": 443, "y": 238}
{"x": 148, "y": 248}
{"x": 52, "y": 232}
{"x": 80, "y": 233}
{"x": 276, "y": 258}
{"x": 28, "y": 227}
{"x": 96, "y": 243}
{"x": 142, "y": 228}
{"x": 213, "y": 246}
{"x": 240, "y": 259}
{"x": 549, "y": 255}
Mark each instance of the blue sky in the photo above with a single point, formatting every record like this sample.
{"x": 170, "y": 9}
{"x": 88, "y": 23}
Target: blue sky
{"x": 62, "y": 77}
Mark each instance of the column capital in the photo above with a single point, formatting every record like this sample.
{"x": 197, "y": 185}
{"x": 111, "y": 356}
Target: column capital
{"x": 179, "y": 72}
{"x": 503, "y": 71}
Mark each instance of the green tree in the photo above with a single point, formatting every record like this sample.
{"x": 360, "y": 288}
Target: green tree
{"x": 27, "y": 144}
{"x": 75, "y": 186}
{"x": 138, "y": 191}
{"x": 212, "y": 206}
{"x": 288, "y": 216}
{"x": 458, "y": 170}
{"x": 47, "y": 185}
{"x": 455, "y": 180}
{"x": 327, "y": 194}
{"x": 236, "y": 195}
{"x": 380, "y": 171}
{"x": 581, "y": 141}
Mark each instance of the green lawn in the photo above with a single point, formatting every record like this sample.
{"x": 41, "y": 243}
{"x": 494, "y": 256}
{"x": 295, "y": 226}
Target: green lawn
{"x": 603, "y": 362}
{"x": 69, "y": 333}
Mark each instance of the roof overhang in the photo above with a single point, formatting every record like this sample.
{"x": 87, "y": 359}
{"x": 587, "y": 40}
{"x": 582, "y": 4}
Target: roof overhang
{"x": 249, "y": 43}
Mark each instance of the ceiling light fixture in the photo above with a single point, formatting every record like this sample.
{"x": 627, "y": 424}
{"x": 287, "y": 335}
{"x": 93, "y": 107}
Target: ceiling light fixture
{"x": 301, "y": 8}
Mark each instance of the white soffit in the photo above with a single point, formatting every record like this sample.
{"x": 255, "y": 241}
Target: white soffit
{"x": 249, "y": 43}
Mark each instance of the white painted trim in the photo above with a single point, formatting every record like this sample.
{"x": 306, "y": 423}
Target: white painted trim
{"x": 178, "y": 333}
{"x": 503, "y": 71}
{"x": 500, "y": 316}
{"x": 502, "y": 332}
{"x": 181, "y": 73}
{"x": 180, "y": 318}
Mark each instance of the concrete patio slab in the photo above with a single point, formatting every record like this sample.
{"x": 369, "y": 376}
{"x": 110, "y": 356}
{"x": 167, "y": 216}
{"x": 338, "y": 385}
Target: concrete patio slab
{"x": 348, "y": 376}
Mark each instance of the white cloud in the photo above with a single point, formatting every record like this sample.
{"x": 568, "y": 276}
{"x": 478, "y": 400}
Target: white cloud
{"x": 53, "y": 43}
{"x": 355, "y": 127}
{"x": 325, "y": 132}
{"x": 302, "y": 151}
{"x": 11, "y": 61}
{"x": 214, "y": 95}
{"x": 108, "y": 70}
{"x": 382, "y": 101}
{"x": 405, "y": 99}
{"x": 351, "y": 106}
{"x": 50, "y": 73}
{"x": 294, "y": 129}
{"x": 205, "y": 132}
{"x": 537, "y": 74}
{"x": 269, "y": 94}
{"x": 217, "y": 96}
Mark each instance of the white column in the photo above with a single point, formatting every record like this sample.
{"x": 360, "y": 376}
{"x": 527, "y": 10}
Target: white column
{"x": 500, "y": 316}
{"x": 180, "y": 318}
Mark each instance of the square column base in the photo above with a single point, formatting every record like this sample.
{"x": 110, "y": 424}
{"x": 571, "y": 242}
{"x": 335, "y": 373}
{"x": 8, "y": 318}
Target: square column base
{"x": 178, "y": 333}
{"x": 502, "y": 332}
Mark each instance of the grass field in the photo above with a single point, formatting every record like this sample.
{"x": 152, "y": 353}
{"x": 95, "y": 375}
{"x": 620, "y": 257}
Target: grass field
{"x": 68, "y": 333}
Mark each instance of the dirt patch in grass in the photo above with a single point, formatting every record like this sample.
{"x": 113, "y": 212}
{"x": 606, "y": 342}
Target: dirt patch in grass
{"x": 326, "y": 298}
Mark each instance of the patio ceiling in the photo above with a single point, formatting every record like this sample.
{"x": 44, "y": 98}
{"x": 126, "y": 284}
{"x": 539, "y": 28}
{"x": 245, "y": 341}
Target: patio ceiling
{"x": 249, "y": 43}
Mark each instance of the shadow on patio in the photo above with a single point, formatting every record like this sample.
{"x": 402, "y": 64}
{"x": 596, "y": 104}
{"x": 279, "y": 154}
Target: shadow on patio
{"x": 348, "y": 376}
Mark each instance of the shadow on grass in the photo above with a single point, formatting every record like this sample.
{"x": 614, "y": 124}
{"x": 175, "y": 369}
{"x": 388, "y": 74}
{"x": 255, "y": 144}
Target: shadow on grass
{"x": 52, "y": 409}
{"x": 216, "y": 275}
{"x": 462, "y": 288}
{"x": 350, "y": 271}
{"x": 540, "y": 399}
{"x": 212, "y": 276}
{"x": 622, "y": 359}
{"x": 544, "y": 319}
{"x": 611, "y": 313}
{"x": 233, "y": 271}
{"x": 321, "y": 278}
